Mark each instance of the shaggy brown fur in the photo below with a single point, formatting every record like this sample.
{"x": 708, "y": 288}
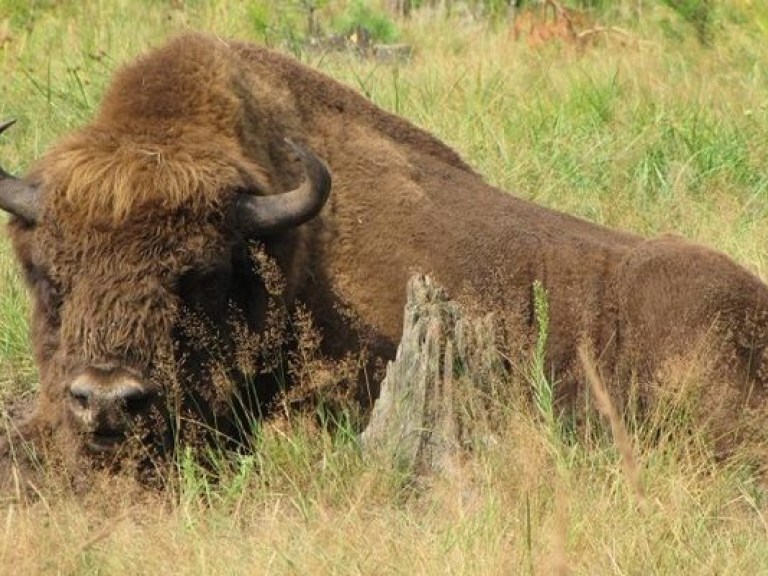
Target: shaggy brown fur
{"x": 133, "y": 232}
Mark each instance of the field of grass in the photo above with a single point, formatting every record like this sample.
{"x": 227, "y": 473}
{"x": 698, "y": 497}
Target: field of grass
{"x": 646, "y": 130}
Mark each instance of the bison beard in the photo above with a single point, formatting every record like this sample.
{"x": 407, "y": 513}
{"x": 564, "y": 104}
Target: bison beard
{"x": 153, "y": 209}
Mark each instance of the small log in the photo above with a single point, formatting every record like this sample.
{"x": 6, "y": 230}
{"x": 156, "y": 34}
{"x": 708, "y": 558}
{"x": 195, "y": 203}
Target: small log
{"x": 418, "y": 422}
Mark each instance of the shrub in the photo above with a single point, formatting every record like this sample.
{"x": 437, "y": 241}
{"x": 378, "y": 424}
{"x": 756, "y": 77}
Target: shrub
{"x": 360, "y": 15}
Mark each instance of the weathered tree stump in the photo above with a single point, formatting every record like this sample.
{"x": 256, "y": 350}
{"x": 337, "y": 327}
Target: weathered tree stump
{"x": 419, "y": 422}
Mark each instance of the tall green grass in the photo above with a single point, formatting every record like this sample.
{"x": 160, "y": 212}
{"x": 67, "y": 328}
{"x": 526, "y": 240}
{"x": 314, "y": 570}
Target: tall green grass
{"x": 651, "y": 133}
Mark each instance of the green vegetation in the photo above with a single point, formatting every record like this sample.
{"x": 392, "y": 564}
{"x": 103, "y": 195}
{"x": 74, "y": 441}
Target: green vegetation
{"x": 360, "y": 14}
{"x": 644, "y": 124}
{"x": 543, "y": 386}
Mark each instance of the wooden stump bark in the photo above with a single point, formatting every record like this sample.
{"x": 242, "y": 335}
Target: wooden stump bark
{"x": 419, "y": 422}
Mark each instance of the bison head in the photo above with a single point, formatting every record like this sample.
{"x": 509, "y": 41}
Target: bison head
{"x": 113, "y": 286}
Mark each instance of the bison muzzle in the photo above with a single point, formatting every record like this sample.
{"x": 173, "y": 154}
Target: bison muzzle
{"x": 106, "y": 403}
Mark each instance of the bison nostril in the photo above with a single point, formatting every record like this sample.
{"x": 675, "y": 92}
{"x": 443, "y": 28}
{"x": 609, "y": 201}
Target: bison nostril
{"x": 136, "y": 400}
{"x": 81, "y": 396}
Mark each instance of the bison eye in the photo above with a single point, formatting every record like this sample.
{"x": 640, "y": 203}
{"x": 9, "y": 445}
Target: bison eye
{"x": 46, "y": 291}
{"x": 204, "y": 289}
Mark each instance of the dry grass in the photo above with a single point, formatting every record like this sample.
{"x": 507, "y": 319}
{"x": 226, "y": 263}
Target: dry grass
{"x": 651, "y": 135}
{"x": 618, "y": 429}
{"x": 516, "y": 508}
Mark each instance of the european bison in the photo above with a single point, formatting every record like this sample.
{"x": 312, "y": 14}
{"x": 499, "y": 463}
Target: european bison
{"x": 150, "y": 212}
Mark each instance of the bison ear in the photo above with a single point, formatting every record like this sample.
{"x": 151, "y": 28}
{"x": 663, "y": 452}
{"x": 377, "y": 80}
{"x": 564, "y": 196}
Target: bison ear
{"x": 16, "y": 197}
{"x": 264, "y": 215}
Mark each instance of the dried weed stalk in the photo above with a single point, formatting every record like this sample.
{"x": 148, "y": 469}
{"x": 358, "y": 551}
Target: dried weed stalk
{"x": 619, "y": 431}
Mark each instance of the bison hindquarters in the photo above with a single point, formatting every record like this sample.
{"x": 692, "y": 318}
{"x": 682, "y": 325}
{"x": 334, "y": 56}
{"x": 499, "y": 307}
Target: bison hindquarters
{"x": 693, "y": 324}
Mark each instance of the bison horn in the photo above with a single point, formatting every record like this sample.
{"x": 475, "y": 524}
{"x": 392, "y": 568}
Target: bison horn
{"x": 16, "y": 197}
{"x": 264, "y": 215}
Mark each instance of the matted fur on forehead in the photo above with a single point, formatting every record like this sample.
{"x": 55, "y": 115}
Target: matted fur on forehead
{"x": 110, "y": 177}
{"x": 166, "y": 135}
